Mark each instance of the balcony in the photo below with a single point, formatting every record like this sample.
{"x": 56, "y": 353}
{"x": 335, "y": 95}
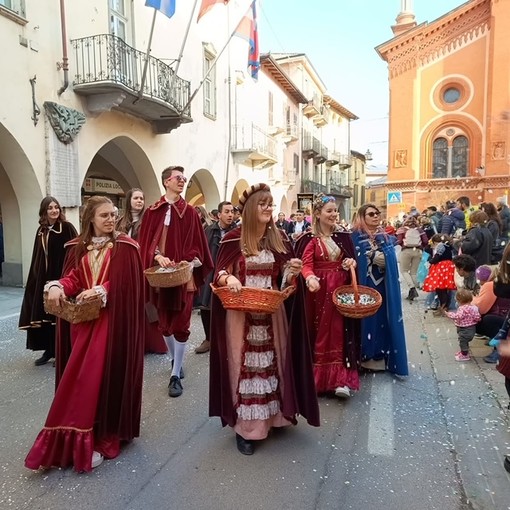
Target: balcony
{"x": 313, "y": 107}
{"x": 313, "y": 187}
{"x": 310, "y": 146}
{"x": 344, "y": 161}
{"x": 291, "y": 133}
{"x": 322, "y": 118}
{"x": 333, "y": 158}
{"x": 109, "y": 74}
{"x": 252, "y": 144}
{"x": 341, "y": 191}
{"x": 322, "y": 155}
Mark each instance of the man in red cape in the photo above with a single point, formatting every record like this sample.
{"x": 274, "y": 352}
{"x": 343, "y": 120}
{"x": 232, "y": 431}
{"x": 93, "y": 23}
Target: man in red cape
{"x": 171, "y": 232}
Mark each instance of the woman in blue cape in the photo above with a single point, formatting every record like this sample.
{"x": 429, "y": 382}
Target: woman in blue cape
{"x": 383, "y": 344}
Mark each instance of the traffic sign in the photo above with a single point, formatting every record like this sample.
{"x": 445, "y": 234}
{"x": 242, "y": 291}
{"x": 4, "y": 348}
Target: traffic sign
{"x": 395, "y": 197}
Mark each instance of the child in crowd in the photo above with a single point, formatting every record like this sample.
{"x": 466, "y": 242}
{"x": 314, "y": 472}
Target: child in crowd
{"x": 465, "y": 318}
{"x": 466, "y": 266}
{"x": 440, "y": 278}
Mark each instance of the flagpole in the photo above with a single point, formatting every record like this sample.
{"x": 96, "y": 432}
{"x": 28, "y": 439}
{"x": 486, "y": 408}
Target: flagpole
{"x": 146, "y": 65}
{"x": 179, "y": 58}
{"x": 213, "y": 64}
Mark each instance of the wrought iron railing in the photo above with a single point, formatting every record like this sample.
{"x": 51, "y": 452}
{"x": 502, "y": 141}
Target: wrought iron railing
{"x": 313, "y": 187}
{"x": 251, "y": 137}
{"x": 107, "y": 58}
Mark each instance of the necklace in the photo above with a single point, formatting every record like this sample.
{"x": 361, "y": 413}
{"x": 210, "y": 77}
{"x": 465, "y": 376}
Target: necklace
{"x": 97, "y": 243}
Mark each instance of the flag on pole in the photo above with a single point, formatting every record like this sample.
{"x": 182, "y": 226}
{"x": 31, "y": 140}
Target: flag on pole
{"x": 166, "y": 7}
{"x": 207, "y": 5}
{"x": 247, "y": 30}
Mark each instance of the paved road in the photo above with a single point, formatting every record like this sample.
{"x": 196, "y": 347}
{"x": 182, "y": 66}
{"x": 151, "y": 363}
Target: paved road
{"x": 434, "y": 440}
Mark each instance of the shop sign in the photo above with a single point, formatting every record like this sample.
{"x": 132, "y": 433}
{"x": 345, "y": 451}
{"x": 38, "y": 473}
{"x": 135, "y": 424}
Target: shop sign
{"x": 92, "y": 185}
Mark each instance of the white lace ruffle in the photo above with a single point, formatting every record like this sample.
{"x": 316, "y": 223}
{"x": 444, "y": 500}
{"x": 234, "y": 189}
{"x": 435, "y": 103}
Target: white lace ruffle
{"x": 258, "y": 386}
{"x": 257, "y": 335}
{"x": 258, "y": 359}
{"x": 101, "y": 292}
{"x": 259, "y": 281}
{"x": 257, "y": 411}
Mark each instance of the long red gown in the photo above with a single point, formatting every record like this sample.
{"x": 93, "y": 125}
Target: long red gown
{"x": 323, "y": 258}
{"x": 97, "y": 402}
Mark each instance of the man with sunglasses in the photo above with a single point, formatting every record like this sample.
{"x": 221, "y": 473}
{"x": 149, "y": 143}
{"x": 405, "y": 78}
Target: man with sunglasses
{"x": 171, "y": 232}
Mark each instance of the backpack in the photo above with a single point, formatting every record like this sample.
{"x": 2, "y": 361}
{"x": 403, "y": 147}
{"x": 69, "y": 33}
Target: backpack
{"x": 412, "y": 238}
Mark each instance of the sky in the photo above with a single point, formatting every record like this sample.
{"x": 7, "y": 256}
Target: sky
{"x": 339, "y": 37}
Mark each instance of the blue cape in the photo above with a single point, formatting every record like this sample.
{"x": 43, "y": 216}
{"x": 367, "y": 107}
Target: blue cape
{"x": 382, "y": 334}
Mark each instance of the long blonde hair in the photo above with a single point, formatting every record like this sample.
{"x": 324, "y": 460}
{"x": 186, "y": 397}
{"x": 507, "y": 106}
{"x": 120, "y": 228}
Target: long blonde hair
{"x": 271, "y": 240}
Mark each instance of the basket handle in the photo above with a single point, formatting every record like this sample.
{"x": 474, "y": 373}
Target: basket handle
{"x": 354, "y": 283}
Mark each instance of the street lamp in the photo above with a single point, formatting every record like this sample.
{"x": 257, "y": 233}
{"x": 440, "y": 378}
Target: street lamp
{"x": 368, "y": 155}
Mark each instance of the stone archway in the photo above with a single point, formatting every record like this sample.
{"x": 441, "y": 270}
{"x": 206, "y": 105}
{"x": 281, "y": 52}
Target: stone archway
{"x": 284, "y": 207}
{"x": 20, "y": 196}
{"x": 239, "y": 188}
{"x": 203, "y": 190}
{"x": 121, "y": 160}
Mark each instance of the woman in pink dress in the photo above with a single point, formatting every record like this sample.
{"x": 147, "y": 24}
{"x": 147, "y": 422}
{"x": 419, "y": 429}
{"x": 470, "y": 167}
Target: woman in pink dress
{"x": 327, "y": 256}
{"x": 99, "y": 376}
{"x": 260, "y": 366}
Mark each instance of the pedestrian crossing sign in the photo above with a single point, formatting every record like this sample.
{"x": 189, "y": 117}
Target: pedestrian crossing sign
{"x": 395, "y": 197}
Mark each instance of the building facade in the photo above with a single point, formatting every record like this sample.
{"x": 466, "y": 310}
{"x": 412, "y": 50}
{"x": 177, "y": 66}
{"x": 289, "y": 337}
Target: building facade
{"x": 449, "y": 105}
{"x": 85, "y": 112}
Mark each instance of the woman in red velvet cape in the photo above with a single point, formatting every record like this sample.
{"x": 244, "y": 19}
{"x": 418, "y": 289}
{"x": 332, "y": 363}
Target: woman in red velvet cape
{"x": 296, "y": 390}
{"x": 97, "y": 403}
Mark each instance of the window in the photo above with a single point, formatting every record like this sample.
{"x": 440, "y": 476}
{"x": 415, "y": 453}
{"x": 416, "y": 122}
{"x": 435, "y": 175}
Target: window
{"x": 451, "y": 95}
{"x": 118, "y": 19}
{"x": 16, "y": 6}
{"x": 440, "y": 158}
{"x": 209, "y": 86}
{"x": 460, "y": 151}
{"x": 450, "y": 156}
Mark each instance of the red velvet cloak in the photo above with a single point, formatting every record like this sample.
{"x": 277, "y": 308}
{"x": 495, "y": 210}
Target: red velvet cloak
{"x": 119, "y": 404}
{"x": 185, "y": 240}
{"x": 300, "y": 396}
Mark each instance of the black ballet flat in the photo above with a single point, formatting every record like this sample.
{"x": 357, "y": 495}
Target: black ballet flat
{"x": 244, "y": 445}
{"x": 43, "y": 359}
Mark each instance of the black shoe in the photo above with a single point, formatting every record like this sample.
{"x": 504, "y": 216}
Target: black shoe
{"x": 43, "y": 359}
{"x": 493, "y": 357}
{"x": 244, "y": 445}
{"x": 181, "y": 371}
{"x": 174, "y": 387}
{"x": 506, "y": 464}
{"x": 415, "y": 293}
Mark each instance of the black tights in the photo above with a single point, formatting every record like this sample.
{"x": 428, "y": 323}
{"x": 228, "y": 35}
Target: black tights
{"x": 442, "y": 296}
{"x": 205, "y": 315}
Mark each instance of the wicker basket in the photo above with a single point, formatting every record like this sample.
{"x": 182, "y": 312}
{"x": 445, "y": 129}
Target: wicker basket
{"x": 356, "y": 310}
{"x": 179, "y": 276}
{"x": 252, "y": 300}
{"x": 74, "y": 312}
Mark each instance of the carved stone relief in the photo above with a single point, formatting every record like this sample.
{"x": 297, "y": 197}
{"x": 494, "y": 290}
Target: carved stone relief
{"x": 66, "y": 122}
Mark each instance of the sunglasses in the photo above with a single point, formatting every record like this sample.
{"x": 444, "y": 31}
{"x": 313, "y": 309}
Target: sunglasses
{"x": 178, "y": 178}
{"x": 372, "y": 214}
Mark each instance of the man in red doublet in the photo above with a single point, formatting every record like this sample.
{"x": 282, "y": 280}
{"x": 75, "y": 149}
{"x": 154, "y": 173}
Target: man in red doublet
{"x": 171, "y": 232}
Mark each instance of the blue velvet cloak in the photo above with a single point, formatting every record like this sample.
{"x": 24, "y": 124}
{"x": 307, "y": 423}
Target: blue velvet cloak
{"x": 382, "y": 334}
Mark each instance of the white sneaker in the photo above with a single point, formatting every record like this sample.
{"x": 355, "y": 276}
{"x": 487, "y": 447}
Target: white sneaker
{"x": 343, "y": 392}
{"x": 97, "y": 459}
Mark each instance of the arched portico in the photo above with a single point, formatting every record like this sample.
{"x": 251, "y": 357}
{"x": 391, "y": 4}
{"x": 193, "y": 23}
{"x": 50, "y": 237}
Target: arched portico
{"x": 122, "y": 160}
{"x": 203, "y": 190}
{"x": 239, "y": 188}
{"x": 20, "y": 196}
